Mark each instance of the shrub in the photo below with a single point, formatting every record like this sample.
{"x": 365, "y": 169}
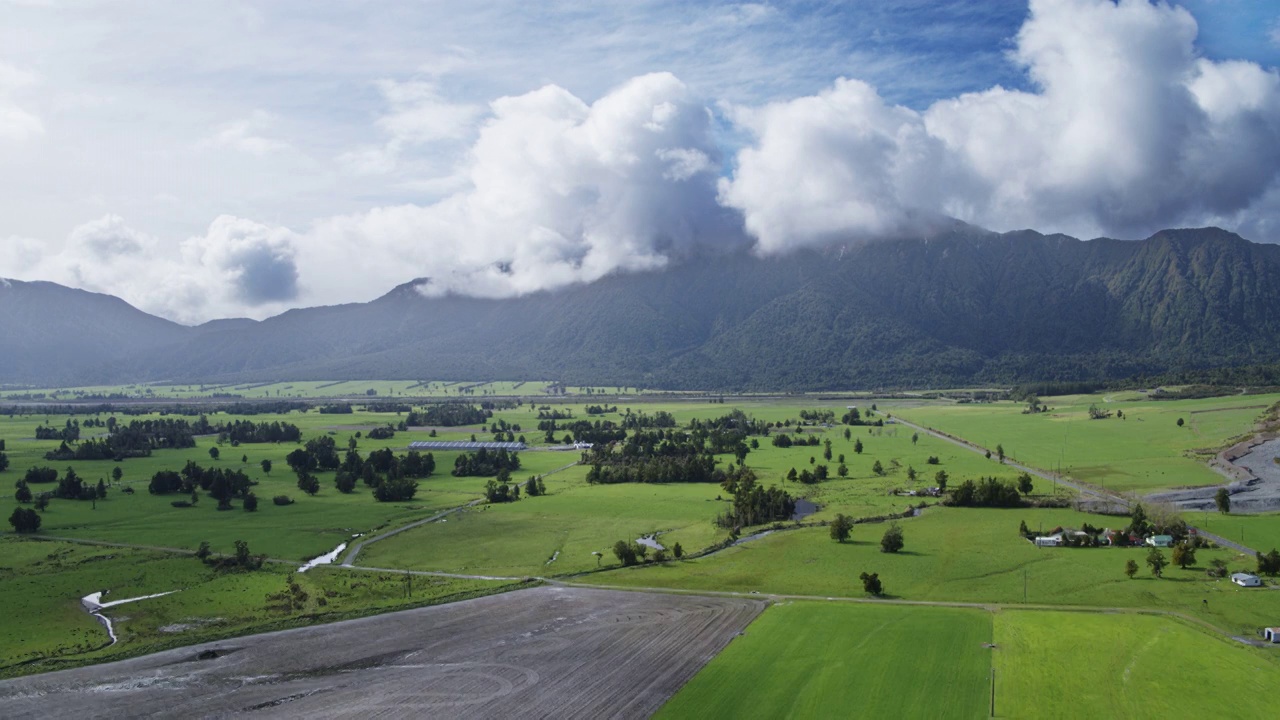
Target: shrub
{"x": 282, "y": 500}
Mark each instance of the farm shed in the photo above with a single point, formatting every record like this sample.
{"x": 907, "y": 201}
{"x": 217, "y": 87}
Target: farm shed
{"x": 1049, "y": 541}
{"x": 1272, "y": 634}
{"x": 1246, "y": 580}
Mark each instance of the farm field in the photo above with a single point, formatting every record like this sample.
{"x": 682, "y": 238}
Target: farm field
{"x": 1070, "y": 665}
{"x": 45, "y": 626}
{"x": 968, "y": 555}
{"x": 550, "y": 652}
{"x": 813, "y": 660}
{"x": 1143, "y": 452}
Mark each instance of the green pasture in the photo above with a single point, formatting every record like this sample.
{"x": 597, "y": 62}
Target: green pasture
{"x": 1260, "y": 532}
{"x": 1074, "y": 665}
{"x": 969, "y": 555}
{"x": 815, "y": 660}
{"x": 569, "y": 523}
{"x": 45, "y": 626}
{"x": 1144, "y": 451}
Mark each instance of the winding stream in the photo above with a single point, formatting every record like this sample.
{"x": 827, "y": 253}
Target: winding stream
{"x": 94, "y": 606}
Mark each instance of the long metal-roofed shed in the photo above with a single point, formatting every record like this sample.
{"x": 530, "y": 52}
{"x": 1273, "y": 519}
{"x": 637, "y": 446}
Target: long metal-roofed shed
{"x": 465, "y": 445}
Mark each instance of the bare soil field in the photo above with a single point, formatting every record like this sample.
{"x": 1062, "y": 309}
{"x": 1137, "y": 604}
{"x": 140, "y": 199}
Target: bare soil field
{"x": 542, "y": 652}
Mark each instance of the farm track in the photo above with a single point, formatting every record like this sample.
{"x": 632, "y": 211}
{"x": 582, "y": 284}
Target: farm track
{"x": 1078, "y": 487}
{"x": 541, "y": 652}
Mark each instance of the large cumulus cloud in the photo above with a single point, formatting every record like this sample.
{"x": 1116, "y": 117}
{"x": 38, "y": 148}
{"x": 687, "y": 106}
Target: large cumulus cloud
{"x": 555, "y": 191}
{"x": 1128, "y": 130}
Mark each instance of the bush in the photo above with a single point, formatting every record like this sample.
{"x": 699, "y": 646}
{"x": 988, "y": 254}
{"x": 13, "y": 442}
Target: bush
{"x": 282, "y": 500}
{"x": 250, "y": 502}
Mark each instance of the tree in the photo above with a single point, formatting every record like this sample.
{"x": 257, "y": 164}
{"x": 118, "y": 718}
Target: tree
{"x": 1000, "y": 452}
{"x": 244, "y": 459}
{"x": 345, "y": 482}
{"x": 1157, "y": 561}
{"x": 116, "y": 473}
{"x": 915, "y": 438}
{"x": 871, "y": 584}
{"x": 940, "y": 478}
{"x": 678, "y": 551}
{"x": 842, "y": 470}
{"x": 1269, "y": 564}
{"x": 624, "y": 552}
{"x": 1222, "y": 499}
{"x": 203, "y": 552}
{"x": 892, "y": 540}
{"x": 1184, "y": 555}
{"x": 1022, "y": 529}
{"x": 23, "y": 495}
{"x": 840, "y": 528}
{"x": 1131, "y": 568}
{"x": 4, "y": 462}
{"x": 42, "y": 501}
{"x": 250, "y": 502}
{"x": 308, "y": 483}
{"x": 101, "y": 489}
{"x": 1181, "y": 422}
{"x": 847, "y": 434}
{"x": 213, "y": 453}
{"x": 25, "y": 520}
{"x": 1024, "y": 483}
{"x": 877, "y": 468}
{"x": 911, "y": 474}
{"x": 266, "y": 466}
{"x": 857, "y": 446}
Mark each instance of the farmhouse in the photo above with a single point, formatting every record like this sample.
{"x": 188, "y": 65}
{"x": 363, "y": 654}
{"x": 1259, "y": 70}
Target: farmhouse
{"x": 1049, "y": 541}
{"x": 1160, "y": 540}
{"x": 1246, "y": 580}
{"x": 1272, "y": 634}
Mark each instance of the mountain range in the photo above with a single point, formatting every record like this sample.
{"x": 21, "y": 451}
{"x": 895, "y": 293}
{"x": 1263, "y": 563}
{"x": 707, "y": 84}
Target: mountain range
{"x": 958, "y": 307}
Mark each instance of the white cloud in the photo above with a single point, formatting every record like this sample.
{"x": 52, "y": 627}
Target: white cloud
{"x": 417, "y": 115}
{"x": 557, "y": 192}
{"x": 16, "y": 123}
{"x": 1128, "y": 132}
{"x": 246, "y": 135}
{"x": 236, "y": 267}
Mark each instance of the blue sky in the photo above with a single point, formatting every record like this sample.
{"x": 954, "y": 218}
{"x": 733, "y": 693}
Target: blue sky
{"x": 211, "y": 137}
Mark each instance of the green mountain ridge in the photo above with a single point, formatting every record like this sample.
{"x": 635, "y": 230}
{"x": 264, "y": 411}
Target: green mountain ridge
{"x": 962, "y": 306}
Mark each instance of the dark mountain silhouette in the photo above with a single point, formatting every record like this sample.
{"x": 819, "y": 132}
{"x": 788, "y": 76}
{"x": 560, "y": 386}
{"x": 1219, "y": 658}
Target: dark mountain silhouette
{"x": 959, "y": 307}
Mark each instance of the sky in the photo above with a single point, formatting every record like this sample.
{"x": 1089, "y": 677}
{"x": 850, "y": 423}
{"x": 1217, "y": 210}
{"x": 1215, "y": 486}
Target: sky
{"x": 210, "y": 159}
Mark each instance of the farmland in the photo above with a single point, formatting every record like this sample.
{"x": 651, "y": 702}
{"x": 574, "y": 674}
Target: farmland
{"x": 552, "y": 652}
{"x": 807, "y": 659}
{"x": 1126, "y": 666}
{"x": 567, "y": 535}
{"x": 1145, "y": 450}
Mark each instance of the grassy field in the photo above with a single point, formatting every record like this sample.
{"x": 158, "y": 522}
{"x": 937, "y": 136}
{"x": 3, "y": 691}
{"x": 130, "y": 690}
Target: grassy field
{"x": 45, "y": 627}
{"x": 842, "y": 660}
{"x": 968, "y": 555}
{"x": 569, "y": 523}
{"x": 1073, "y": 665}
{"x": 1144, "y": 451}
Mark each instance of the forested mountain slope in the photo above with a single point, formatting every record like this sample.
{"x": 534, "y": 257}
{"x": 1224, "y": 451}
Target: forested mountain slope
{"x": 960, "y": 307}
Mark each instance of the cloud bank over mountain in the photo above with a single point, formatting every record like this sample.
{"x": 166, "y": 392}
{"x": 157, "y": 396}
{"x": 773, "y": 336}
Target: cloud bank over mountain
{"x": 1123, "y": 127}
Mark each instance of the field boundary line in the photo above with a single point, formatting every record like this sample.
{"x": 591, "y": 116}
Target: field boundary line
{"x": 992, "y": 607}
